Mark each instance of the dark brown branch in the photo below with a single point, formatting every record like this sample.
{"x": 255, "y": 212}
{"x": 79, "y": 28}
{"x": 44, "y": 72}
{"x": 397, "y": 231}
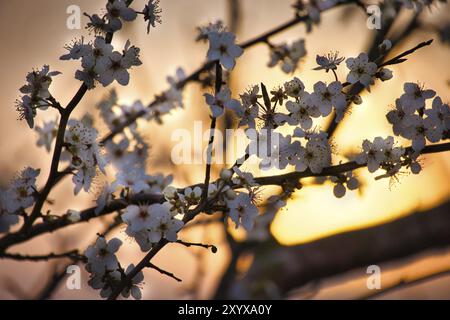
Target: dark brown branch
{"x": 73, "y": 255}
{"x": 218, "y": 86}
{"x": 347, "y": 251}
{"x": 55, "y": 176}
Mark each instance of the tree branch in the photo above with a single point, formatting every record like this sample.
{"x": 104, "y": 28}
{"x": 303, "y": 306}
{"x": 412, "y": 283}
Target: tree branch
{"x": 116, "y": 205}
{"x": 343, "y": 252}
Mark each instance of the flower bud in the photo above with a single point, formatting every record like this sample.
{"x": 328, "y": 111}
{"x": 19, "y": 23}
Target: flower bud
{"x": 73, "y": 216}
{"x": 226, "y": 174}
{"x": 385, "y": 46}
{"x": 170, "y": 192}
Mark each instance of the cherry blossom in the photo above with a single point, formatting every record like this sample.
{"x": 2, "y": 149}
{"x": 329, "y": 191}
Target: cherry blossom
{"x": 242, "y": 211}
{"x": 414, "y": 97}
{"x": 222, "y": 47}
{"x": 220, "y": 101}
{"x": 361, "y": 69}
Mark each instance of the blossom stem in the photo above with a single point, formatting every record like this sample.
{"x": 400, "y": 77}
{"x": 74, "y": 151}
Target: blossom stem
{"x": 162, "y": 271}
{"x": 73, "y": 255}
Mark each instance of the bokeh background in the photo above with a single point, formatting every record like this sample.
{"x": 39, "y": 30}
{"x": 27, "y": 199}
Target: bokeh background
{"x": 33, "y": 33}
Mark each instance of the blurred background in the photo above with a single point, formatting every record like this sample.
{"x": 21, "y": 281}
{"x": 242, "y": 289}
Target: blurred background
{"x": 33, "y": 33}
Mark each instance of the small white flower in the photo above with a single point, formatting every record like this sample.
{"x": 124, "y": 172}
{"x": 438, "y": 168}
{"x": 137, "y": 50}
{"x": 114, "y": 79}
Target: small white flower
{"x": 134, "y": 180}
{"x": 294, "y": 88}
{"x": 372, "y": 154}
{"x": 439, "y": 114}
{"x": 397, "y": 117}
{"x": 140, "y": 218}
{"x": 316, "y": 155}
{"x": 165, "y": 226}
{"x": 287, "y": 56}
{"x": 204, "y": 30}
{"x": 328, "y": 62}
{"x": 419, "y": 129}
{"x": 220, "y": 101}
{"x": 222, "y": 47}
{"x": 101, "y": 256}
{"x": 38, "y": 83}
{"x": 414, "y": 97}
{"x": 243, "y": 211}
{"x": 302, "y": 112}
{"x": 250, "y": 108}
{"x": 26, "y": 110}
{"x": 77, "y": 49}
{"x": 117, "y": 11}
{"x": 245, "y": 179}
{"x": 114, "y": 69}
{"x": 325, "y": 97}
{"x": 21, "y": 192}
{"x": 152, "y": 14}
{"x": 134, "y": 287}
{"x": 47, "y": 134}
{"x": 361, "y": 69}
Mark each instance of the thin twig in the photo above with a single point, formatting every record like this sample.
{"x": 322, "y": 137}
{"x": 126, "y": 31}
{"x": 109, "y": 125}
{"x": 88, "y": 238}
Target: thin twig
{"x": 73, "y": 255}
{"x": 169, "y": 274}
{"x": 198, "y": 244}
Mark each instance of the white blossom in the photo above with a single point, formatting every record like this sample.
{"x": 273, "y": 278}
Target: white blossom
{"x": 325, "y": 97}
{"x": 220, "y": 101}
{"x": 439, "y": 114}
{"x": 47, "y": 133}
{"x": 117, "y": 11}
{"x": 242, "y": 211}
{"x": 152, "y": 14}
{"x": 361, "y": 69}
{"x": 222, "y": 47}
{"x": 101, "y": 256}
{"x": 134, "y": 180}
{"x": 21, "y": 192}
{"x": 287, "y": 56}
{"x": 328, "y": 62}
{"x": 316, "y": 155}
{"x": 419, "y": 129}
{"x": 414, "y": 97}
{"x": 141, "y": 217}
{"x": 302, "y": 112}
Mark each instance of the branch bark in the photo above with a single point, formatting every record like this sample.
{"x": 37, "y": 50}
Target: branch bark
{"x": 288, "y": 268}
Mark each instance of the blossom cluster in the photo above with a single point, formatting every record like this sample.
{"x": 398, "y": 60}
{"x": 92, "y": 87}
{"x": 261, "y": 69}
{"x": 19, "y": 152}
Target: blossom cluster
{"x": 19, "y": 196}
{"x": 117, "y": 12}
{"x": 287, "y": 55}
{"x": 101, "y": 63}
{"x": 105, "y": 271}
{"x": 36, "y": 94}
{"x": 84, "y": 154}
{"x": 413, "y": 120}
